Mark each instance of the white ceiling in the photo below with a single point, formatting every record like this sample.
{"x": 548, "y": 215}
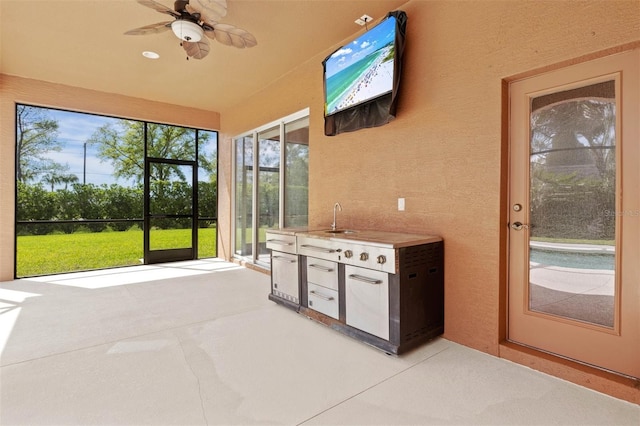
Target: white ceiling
{"x": 81, "y": 43}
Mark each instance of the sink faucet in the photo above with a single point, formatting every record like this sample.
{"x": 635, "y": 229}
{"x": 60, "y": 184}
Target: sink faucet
{"x": 336, "y": 206}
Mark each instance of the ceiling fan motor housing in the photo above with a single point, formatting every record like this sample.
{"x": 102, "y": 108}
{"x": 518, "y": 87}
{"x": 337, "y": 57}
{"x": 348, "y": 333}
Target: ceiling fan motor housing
{"x": 180, "y": 5}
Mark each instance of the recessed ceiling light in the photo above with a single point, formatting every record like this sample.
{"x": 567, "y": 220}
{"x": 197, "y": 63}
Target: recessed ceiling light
{"x": 149, "y": 54}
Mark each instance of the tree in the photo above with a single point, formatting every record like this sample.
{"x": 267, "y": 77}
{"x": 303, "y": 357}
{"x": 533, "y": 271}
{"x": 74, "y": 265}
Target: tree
{"x": 67, "y": 179}
{"x": 576, "y": 133}
{"x": 57, "y": 176}
{"x": 36, "y": 136}
{"x": 123, "y": 146}
{"x": 573, "y": 169}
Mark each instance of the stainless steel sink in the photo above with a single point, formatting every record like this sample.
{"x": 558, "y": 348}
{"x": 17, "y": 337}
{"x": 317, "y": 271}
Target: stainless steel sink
{"x": 340, "y": 231}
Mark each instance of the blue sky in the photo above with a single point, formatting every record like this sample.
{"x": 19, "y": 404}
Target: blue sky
{"x": 359, "y": 48}
{"x": 74, "y": 130}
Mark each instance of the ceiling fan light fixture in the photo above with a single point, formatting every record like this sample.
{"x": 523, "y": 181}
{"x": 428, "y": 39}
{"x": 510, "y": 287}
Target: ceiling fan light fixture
{"x": 187, "y": 30}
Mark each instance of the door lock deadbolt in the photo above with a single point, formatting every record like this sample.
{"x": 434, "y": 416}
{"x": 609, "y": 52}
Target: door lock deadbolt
{"x": 517, "y": 207}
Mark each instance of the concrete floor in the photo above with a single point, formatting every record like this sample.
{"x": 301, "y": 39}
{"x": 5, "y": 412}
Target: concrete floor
{"x": 197, "y": 343}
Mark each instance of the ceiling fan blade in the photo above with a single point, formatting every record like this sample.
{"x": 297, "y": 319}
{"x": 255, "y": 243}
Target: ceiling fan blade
{"x": 196, "y": 50}
{"x": 232, "y": 36}
{"x": 150, "y": 29}
{"x": 213, "y": 9}
{"x": 203, "y": 15}
{"x": 159, "y": 7}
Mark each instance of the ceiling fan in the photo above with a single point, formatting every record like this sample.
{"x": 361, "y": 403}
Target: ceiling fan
{"x": 194, "y": 19}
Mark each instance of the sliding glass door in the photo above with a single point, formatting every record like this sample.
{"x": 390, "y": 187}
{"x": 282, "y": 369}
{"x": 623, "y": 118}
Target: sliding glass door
{"x": 243, "y": 197}
{"x": 268, "y": 188}
{"x": 271, "y": 183}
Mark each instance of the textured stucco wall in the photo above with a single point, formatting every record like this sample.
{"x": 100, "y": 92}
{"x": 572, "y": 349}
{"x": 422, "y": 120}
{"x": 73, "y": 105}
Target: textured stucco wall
{"x": 444, "y": 152}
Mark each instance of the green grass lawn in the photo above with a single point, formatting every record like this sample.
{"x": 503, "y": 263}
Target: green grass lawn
{"x": 52, "y": 254}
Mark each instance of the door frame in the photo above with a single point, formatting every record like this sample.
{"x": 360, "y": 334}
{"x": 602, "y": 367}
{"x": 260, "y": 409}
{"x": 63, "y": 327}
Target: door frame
{"x": 610, "y": 383}
{"x": 507, "y": 349}
{"x": 170, "y": 255}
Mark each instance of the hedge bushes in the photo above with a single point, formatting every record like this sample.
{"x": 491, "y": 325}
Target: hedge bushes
{"x": 35, "y": 203}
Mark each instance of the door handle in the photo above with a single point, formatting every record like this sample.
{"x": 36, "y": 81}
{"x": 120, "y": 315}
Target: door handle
{"x": 365, "y": 279}
{"x": 321, "y": 296}
{"x": 316, "y": 248}
{"x": 280, "y": 242}
{"x": 283, "y": 259}
{"x": 320, "y": 268}
{"x": 519, "y": 226}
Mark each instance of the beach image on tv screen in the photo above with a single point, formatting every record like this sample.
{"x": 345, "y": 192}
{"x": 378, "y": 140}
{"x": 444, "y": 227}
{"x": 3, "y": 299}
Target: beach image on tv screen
{"x": 361, "y": 70}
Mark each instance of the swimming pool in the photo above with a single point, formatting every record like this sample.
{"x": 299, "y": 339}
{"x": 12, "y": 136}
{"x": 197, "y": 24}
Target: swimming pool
{"x": 571, "y": 259}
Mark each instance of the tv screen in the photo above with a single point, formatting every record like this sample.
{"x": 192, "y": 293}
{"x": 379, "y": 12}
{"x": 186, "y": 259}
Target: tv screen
{"x": 361, "y": 70}
{"x": 361, "y": 78}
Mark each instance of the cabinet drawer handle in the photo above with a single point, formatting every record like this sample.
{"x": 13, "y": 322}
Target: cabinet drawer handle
{"x": 280, "y": 242}
{"x": 321, "y": 296}
{"x": 316, "y": 248}
{"x": 283, "y": 259}
{"x": 365, "y": 279}
{"x": 320, "y": 268}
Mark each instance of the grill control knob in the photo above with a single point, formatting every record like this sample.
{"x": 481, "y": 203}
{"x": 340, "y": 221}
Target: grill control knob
{"x": 348, "y": 254}
{"x": 381, "y": 259}
{"x": 364, "y": 256}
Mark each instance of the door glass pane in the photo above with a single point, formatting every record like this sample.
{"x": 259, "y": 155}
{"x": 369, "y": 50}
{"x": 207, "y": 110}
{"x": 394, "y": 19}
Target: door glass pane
{"x": 572, "y": 204}
{"x": 244, "y": 196}
{"x": 268, "y": 186}
{"x": 296, "y": 192}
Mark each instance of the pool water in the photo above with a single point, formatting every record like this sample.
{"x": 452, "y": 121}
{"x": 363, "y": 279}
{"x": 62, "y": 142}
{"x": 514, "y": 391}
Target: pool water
{"x": 568, "y": 259}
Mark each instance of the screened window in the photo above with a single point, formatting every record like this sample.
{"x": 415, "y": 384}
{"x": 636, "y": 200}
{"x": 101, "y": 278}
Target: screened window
{"x": 80, "y": 190}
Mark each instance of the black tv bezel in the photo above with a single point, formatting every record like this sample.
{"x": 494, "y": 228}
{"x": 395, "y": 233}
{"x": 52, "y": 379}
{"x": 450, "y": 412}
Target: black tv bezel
{"x": 376, "y": 111}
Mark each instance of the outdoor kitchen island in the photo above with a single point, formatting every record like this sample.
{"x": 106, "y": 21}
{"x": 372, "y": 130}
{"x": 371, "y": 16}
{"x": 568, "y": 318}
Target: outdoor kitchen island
{"x": 385, "y": 289}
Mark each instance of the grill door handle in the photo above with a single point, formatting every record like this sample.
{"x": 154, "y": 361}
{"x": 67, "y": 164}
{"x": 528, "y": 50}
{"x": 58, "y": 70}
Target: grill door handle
{"x": 365, "y": 279}
{"x": 280, "y": 242}
{"x": 283, "y": 259}
{"x": 320, "y": 268}
{"x": 321, "y": 296}
{"x": 316, "y": 248}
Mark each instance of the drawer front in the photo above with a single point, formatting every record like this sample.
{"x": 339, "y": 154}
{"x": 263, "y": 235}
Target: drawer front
{"x": 284, "y": 276}
{"x": 367, "y": 300}
{"x": 280, "y": 242}
{"x": 322, "y": 272}
{"x": 318, "y": 248}
{"x": 323, "y": 300}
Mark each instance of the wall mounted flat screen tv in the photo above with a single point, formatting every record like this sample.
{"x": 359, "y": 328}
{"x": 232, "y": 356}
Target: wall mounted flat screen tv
{"x": 361, "y": 78}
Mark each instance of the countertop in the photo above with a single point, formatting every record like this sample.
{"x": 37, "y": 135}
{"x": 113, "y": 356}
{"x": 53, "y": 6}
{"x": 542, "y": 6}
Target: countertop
{"x": 366, "y": 237}
{"x": 293, "y": 231}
